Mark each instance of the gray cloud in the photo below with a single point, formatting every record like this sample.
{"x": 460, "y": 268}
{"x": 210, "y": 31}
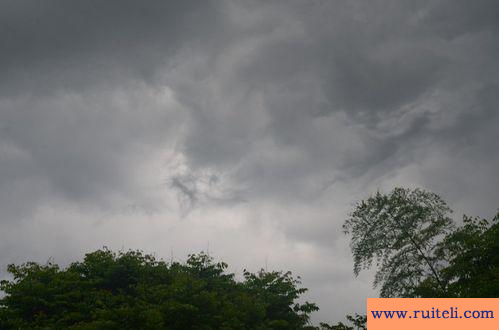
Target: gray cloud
{"x": 253, "y": 126}
{"x": 75, "y": 45}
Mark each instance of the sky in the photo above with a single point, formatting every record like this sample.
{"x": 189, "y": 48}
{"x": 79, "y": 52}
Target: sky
{"x": 245, "y": 128}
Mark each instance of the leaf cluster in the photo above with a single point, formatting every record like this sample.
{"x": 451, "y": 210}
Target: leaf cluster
{"x": 471, "y": 253}
{"x": 358, "y": 322}
{"x": 132, "y": 290}
{"x": 398, "y": 233}
{"x": 417, "y": 249}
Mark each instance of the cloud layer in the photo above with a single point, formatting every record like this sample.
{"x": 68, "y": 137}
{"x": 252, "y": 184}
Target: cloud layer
{"x": 245, "y": 128}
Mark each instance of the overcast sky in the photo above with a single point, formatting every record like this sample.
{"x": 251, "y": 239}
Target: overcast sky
{"x": 248, "y": 128}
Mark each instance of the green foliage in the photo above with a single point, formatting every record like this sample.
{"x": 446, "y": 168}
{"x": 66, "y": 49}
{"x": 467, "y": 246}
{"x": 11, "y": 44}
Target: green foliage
{"x": 418, "y": 250}
{"x": 359, "y": 322}
{"x": 398, "y": 231}
{"x": 279, "y": 291}
{"x": 472, "y": 256}
{"x": 130, "y": 290}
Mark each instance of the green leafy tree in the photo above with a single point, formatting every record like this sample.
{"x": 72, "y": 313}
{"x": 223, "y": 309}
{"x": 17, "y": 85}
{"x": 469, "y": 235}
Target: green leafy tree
{"x": 398, "y": 231}
{"x": 359, "y": 322}
{"x": 472, "y": 256}
{"x": 130, "y": 290}
{"x": 279, "y": 291}
{"x": 418, "y": 250}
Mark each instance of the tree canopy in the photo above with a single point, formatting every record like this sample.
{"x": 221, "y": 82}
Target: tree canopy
{"x": 471, "y": 253}
{"x": 132, "y": 290}
{"x": 358, "y": 322}
{"x": 399, "y": 231}
{"x": 418, "y": 250}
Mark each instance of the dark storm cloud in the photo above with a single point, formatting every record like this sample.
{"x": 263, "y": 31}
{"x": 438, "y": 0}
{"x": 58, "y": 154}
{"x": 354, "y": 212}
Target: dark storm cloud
{"x": 76, "y": 106}
{"x": 73, "y": 44}
{"x": 382, "y": 72}
{"x": 454, "y": 19}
